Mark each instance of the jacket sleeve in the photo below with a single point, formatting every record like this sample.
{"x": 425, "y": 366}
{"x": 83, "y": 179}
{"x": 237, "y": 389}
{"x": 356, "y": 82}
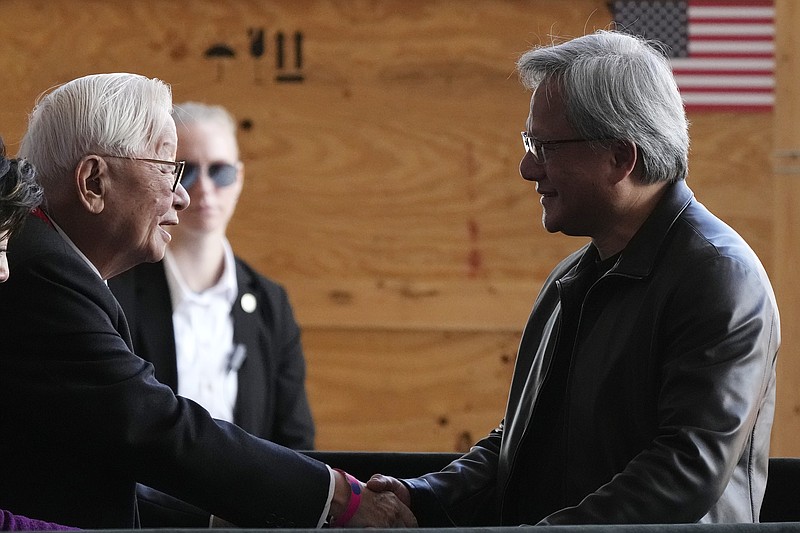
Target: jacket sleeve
{"x": 78, "y": 385}
{"x": 462, "y": 493}
{"x": 719, "y": 336}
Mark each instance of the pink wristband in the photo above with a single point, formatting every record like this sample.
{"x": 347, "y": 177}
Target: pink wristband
{"x": 352, "y": 503}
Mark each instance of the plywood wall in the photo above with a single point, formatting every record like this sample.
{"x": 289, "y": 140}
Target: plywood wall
{"x": 381, "y": 143}
{"x": 785, "y": 187}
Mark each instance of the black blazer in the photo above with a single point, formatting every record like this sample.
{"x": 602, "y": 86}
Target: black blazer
{"x": 271, "y": 402}
{"x": 83, "y": 418}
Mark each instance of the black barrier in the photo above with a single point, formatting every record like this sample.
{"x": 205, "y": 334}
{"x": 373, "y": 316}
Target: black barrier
{"x": 772, "y": 527}
{"x": 780, "y": 510}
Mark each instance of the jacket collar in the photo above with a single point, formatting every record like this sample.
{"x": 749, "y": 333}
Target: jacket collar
{"x": 639, "y": 255}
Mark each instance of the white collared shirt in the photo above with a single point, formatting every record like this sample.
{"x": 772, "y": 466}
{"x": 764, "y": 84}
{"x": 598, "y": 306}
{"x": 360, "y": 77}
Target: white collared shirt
{"x": 204, "y": 344}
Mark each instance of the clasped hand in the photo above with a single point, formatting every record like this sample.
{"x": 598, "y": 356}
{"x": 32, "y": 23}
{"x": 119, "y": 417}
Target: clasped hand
{"x": 385, "y": 502}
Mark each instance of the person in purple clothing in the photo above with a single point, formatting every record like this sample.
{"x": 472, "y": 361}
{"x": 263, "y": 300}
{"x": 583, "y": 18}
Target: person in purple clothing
{"x": 19, "y": 194}
{"x": 12, "y": 522}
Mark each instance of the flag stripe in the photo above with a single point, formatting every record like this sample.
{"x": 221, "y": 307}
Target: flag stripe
{"x": 726, "y": 82}
{"x": 733, "y": 108}
{"x": 722, "y": 47}
{"x": 732, "y": 30}
{"x": 730, "y": 98}
{"x": 748, "y": 4}
{"x": 732, "y": 20}
{"x": 731, "y": 11}
{"x": 724, "y": 64}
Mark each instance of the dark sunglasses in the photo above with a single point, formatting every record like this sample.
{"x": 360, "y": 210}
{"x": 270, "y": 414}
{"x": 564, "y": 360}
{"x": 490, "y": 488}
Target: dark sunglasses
{"x": 222, "y": 174}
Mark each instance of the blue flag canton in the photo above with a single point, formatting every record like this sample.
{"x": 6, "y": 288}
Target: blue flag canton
{"x": 664, "y": 21}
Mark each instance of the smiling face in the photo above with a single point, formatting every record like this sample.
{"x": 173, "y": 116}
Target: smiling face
{"x": 142, "y": 202}
{"x": 207, "y": 143}
{"x": 573, "y": 182}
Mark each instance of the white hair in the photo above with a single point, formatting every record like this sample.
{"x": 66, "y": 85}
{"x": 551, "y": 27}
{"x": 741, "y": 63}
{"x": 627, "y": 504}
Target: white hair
{"x": 116, "y": 114}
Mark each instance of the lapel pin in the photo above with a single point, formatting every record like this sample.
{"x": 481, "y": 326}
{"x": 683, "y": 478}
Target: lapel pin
{"x": 248, "y": 302}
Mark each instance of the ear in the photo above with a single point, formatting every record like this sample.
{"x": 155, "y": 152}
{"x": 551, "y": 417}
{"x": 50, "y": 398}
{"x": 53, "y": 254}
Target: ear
{"x": 624, "y": 158}
{"x": 91, "y": 180}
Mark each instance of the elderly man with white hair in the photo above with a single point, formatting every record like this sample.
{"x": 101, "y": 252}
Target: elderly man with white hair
{"x": 83, "y": 418}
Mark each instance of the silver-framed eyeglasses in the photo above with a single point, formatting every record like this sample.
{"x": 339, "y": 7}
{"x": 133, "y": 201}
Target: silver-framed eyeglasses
{"x": 536, "y": 147}
{"x": 173, "y": 167}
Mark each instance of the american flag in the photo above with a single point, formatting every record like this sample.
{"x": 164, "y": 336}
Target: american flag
{"x": 722, "y": 51}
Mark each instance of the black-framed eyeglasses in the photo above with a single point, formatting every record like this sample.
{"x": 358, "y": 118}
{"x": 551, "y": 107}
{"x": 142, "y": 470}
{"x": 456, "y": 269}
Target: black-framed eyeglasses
{"x": 222, "y": 174}
{"x": 536, "y": 147}
{"x": 173, "y": 167}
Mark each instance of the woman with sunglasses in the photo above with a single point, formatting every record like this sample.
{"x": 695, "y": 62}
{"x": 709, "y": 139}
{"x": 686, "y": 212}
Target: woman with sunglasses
{"x": 217, "y": 331}
{"x": 19, "y": 195}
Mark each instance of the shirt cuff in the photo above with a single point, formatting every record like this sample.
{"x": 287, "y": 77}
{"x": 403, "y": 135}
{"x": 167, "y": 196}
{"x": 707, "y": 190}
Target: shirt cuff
{"x": 326, "y": 511}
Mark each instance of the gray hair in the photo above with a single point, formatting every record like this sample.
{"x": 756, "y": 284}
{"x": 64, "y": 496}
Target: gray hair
{"x": 116, "y": 114}
{"x": 618, "y": 86}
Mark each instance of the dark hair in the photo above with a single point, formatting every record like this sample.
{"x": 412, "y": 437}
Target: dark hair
{"x": 19, "y": 192}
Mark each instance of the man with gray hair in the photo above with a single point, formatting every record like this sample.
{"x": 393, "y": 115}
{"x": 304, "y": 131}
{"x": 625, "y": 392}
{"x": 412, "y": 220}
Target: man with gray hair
{"x": 644, "y": 385}
{"x": 83, "y": 419}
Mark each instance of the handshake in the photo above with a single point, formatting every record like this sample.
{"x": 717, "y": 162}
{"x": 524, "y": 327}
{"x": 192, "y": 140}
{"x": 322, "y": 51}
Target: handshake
{"x": 382, "y": 502}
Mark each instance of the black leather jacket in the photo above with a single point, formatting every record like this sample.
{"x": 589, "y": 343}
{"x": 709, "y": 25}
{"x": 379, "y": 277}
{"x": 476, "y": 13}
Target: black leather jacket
{"x": 668, "y": 390}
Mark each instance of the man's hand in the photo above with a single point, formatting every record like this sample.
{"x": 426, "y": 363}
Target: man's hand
{"x": 377, "y": 508}
{"x": 382, "y": 509}
{"x": 381, "y": 483}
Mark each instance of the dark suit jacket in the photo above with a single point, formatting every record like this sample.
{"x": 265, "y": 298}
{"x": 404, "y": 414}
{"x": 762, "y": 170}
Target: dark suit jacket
{"x": 83, "y": 418}
{"x": 271, "y": 402}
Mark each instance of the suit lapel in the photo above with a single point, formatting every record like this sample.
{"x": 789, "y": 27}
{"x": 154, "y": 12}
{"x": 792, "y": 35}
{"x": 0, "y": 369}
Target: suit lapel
{"x": 150, "y": 307}
{"x": 252, "y": 397}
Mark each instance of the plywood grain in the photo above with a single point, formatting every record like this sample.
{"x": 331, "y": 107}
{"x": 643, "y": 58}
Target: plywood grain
{"x": 381, "y": 145}
{"x": 785, "y": 152}
{"x": 407, "y": 391}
